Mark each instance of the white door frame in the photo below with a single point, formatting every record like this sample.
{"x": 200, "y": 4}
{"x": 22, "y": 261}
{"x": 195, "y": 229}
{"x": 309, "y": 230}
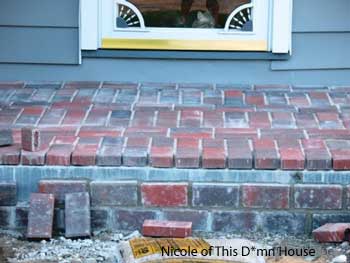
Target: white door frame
{"x": 278, "y": 29}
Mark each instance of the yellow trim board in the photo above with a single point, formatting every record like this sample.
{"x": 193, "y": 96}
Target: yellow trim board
{"x": 176, "y": 44}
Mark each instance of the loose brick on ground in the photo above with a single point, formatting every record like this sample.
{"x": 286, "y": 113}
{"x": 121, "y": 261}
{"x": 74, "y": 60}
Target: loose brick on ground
{"x": 40, "y": 218}
{"x": 332, "y": 232}
{"x": 158, "y": 228}
{"x": 77, "y": 215}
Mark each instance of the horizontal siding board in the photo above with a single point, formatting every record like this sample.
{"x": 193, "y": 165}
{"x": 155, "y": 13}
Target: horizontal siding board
{"x": 39, "y": 45}
{"x": 317, "y": 51}
{"x": 53, "y": 13}
{"x": 321, "y": 15}
{"x": 161, "y": 70}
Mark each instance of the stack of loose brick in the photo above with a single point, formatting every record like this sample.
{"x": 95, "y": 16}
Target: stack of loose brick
{"x": 73, "y": 195}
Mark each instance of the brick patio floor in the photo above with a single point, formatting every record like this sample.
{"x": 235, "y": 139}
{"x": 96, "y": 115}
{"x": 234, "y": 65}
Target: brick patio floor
{"x": 183, "y": 126}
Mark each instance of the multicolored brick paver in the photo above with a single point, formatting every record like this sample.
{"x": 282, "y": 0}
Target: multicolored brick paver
{"x": 179, "y": 125}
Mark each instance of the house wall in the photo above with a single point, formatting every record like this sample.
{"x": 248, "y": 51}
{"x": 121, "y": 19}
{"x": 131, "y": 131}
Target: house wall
{"x": 40, "y": 42}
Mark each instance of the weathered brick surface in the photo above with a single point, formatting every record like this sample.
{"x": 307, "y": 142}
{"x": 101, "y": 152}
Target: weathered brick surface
{"x": 31, "y": 139}
{"x": 77, "y": 215}
{"x": 59, "y": 188}
{"x": 100, "y": 219}
{"x": 318, "y": 196}
{"x": 289, "y": 223}
{"x": 330, "y": 233}
{"x": 5, "y": 217}
{"x": 5, "y": 137}
{"x": 187, "y": 153}
{"x": 164, "y": 194}
{"x": 40, "y": 218}
{"x": 199, "y": 218}
{"x": 131, "y": 219}
{"x": 235, "y": 221}
{"x": 215, "y": 195}
{"x": 8, "y": 193}
{"x": 113, "y": 193}
{"x": 192, "y": 115}
{"x": 271, "y": 196}
{"x": 161, "y": 228}
{"x": 239, "y": 154}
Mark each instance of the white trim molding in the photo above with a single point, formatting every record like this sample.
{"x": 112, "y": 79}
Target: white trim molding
{"x": 281, "y": 31}
{"x": 89, "y": 24}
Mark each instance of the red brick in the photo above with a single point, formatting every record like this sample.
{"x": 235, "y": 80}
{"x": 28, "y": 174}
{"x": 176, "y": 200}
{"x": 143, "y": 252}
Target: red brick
{"x": 236, "y": 133}
{"x": 164, "y": 194}
{"x": 341, "y": 159}
{"x": 40, "y": 217}
{"x": 193, "y": 133}
{"x": 77, "y": 215}
{"x": 175, "y": 229}
{"x": 99, "y": 132}
{"x": 59, "y": 188}
{"x": 331, "y": 232}
{"x": 213, "y": 156}
{"x": 259, "y": 120}
{"x": 187, "y": 153}
{"x": 10, "y": 155}
{"x": 190, "y": 118}
{"x": 84, "y": 154}
{"x": 292, "y": 159}
{"x": 59, "y": 154}
{"x": 272, "y": 196}
{"x": 31, "y": 139}
{"x": 265, "y": 154}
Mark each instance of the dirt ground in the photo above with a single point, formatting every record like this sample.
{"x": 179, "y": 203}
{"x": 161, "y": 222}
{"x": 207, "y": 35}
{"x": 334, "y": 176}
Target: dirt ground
{"x": 11, "y": 247}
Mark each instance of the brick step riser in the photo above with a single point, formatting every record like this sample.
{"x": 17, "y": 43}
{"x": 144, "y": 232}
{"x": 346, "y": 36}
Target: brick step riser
{"x": 218, "y": 207}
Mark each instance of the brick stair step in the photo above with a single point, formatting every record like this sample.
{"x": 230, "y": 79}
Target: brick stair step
{"x": 158, "y": 228}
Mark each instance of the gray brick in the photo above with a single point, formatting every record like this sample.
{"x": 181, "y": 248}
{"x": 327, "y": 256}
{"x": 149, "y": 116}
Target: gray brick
{"x": 198, "y": 218}
{"x": 131, "y": 219}
{"x": 6, "y": 137}
{"x": 216, "y": 195}
{"x": 8, "y": 193}
{"x": 235, "y": 221}
{"x": 113, "y": 193}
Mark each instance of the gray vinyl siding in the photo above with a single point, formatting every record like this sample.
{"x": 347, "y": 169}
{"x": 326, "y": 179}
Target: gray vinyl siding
{"x": 321, "y": 36}
{"x": 321, "y": 50}
{"x": 39, "y": 31}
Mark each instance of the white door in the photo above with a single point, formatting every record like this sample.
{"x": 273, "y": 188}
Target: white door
{"x": 245, "y": 25}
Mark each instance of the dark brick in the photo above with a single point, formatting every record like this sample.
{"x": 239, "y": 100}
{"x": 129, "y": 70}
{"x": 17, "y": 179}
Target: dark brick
{"x": 62, "y": 187}
{"x": 265, "y": 154}
{"x": 5, "y": 137}
{"x": 110, "y": 152}
{"x": 283, "y": 222}
{"x": 235, "y": 221}
{"x": 318, "y": 159}
{"x": 5, "y": 217}
{"x": 8, "y": 193}
{"x": 21, "y": 217}
{"x": 215, "y": 195}
{"x": 162, "y": 152}
{"x": 136, "y": 152}
{"x": 199, "y": 218}
{"x": 113, "y": 193}
{"x": 99, "y": 219}
{"x": 59, "y": 223}
{"x": 164, "y": 194}
{"x": 84, "y": 154}
{"x": 318, "y": 196}
{"x": 131, "y": 219}
{"x": 271, "y": 196}
{"x": 40, "y": 218}
{"x": 77, "y": 215}
{"x": 31, "y": 139}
